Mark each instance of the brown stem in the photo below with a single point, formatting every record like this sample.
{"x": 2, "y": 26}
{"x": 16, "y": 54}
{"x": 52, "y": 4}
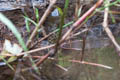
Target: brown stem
{"x": 83, "y": 47}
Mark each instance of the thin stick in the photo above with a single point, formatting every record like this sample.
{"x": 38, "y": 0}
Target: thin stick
{"x": 36, "y": 50}
{"x": 90, "y": 63}
{"x": 62, "y": 68}
{"x": 83, "y": 47}
{"x": 41, "y": 39}
{"x": 43, "y": 59}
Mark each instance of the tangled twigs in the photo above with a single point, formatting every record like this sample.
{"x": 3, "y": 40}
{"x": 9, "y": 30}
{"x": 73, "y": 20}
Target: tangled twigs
{"x": 78, "y": 22}
{"x": 105, "y": 26}
{"x": 81, "y": 19}
{"x": 52, "y": 2}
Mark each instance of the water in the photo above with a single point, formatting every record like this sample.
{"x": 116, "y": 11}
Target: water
{"x": 100, "y": 55}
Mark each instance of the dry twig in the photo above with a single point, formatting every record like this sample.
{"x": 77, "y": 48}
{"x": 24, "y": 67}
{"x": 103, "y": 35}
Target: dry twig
{"x": 105, "y": 26}
{"x": 94, "y": 64}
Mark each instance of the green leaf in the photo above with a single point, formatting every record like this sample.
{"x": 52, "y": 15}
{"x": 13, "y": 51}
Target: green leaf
{"x": 113, "y": 18}
{"x": 14, "y": 30}
{"x": 11, "y": 59}
{"x": 33, "y": 22}
{"x": 60, "y": 11}
{"x": 3, "y": 58}
{"x": 37, "y": 14}
{"x": 27, "y": 25}
{"x": 79, "y": 11}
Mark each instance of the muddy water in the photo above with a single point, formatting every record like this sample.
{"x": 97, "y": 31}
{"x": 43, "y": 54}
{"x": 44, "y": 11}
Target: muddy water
{"x": 104, "y": 55}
